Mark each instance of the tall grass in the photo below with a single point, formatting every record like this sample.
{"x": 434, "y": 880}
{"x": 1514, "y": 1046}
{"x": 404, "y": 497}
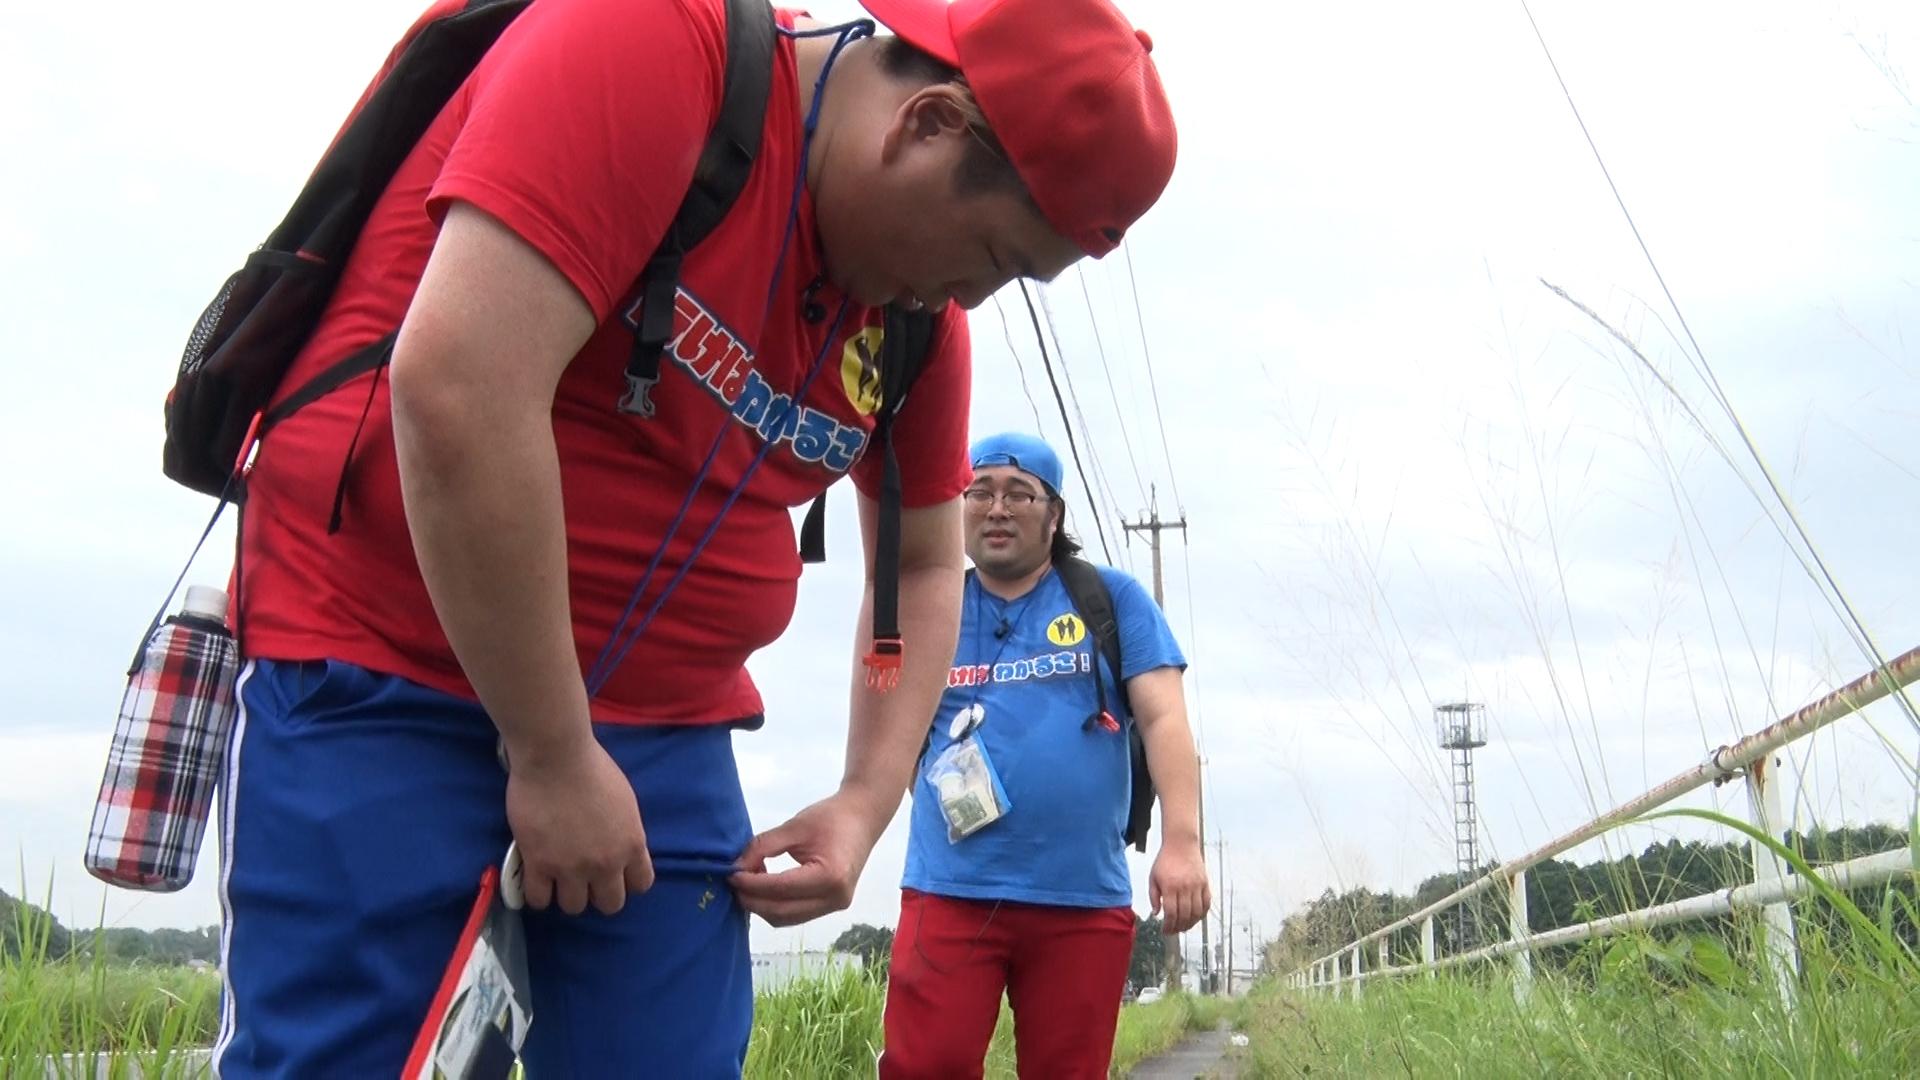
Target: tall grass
{"x": 831, "y": 1027}
{"x": 1633, "y": 1006}
{"x": 115, "y": 1017}
{"x": 84, "y": 1006}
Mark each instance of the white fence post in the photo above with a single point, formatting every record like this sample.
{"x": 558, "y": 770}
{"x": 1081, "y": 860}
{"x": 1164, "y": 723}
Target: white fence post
{"x": 1358, "y": 985}
{"x": 1426, "y": 944}
{"x": 1778, "y": 940}
{"x": 1386, "y": 957}
{"x": 1519, "y": 931}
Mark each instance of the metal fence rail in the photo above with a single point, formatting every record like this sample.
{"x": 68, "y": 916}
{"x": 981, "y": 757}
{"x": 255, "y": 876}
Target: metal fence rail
{"x": 1771, "y": 891}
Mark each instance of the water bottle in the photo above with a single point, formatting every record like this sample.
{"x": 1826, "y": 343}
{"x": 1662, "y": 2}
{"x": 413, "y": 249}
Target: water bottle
{"x": 169, "y": 748}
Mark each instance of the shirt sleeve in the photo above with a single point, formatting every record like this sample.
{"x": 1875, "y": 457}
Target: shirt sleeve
{"x": 930, "y": 434}
{"x": 1146, "y": 640}
{"x": 582, "y": 128}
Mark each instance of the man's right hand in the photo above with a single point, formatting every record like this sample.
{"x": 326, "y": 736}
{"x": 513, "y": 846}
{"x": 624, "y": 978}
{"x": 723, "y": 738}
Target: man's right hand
{"x": 575, "y": 817}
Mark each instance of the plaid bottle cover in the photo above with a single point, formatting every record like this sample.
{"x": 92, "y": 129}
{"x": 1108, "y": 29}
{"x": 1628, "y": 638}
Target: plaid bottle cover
{"x": 169, "y": 748}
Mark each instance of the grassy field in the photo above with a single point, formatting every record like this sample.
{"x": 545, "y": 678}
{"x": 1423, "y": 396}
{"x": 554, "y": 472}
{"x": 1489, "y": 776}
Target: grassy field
{"x": 831, "y": 1028}
{"x": 1634, "y": 1007}
{"x": 1675, "y": 1005}
{"x": 145, "y": 1015}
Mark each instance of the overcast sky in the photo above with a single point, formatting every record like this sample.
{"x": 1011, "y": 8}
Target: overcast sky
{"x": 1410, "y": 473}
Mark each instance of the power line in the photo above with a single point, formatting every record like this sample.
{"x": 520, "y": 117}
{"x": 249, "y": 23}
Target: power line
{"x": 1159, "y": 418}
{"x": 1072, "y": 445}
{"x": 1073, "y": 395}
{"x": 1039, "y": 425}
{"x": 1193, "y": 639}
{"x": 1107, "y": 370}
{"x": 1006, "y": 331}
{"x": 1096, "y": 463}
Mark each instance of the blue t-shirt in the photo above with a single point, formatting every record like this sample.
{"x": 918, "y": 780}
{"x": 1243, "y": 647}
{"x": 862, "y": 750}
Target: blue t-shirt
{"x": 1061, "y": 842}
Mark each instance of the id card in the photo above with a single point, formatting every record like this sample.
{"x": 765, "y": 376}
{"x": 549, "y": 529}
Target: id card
{"x": 971, "y": 797}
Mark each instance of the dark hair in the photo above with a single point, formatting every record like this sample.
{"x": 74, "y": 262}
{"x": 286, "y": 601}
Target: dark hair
{"x": 986, "y": 168}
{"x": 1064, "y": 545}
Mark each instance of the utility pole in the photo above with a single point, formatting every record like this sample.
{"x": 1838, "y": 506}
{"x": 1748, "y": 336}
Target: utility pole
{"x": 1222, "y": 966}
{"x": 1227, "y": 923}
{"x": 1153, "y": 526}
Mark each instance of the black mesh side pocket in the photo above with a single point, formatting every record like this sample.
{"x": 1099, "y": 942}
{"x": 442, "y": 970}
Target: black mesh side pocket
{"x": 240, "y": 348}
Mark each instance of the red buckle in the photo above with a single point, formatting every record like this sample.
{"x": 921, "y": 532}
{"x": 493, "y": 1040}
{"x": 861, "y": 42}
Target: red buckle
{"x": 883, "y": 664}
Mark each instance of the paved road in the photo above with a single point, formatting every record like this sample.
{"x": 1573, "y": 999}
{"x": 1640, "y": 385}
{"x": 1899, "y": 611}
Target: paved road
{"x": 1202, "y": 1055}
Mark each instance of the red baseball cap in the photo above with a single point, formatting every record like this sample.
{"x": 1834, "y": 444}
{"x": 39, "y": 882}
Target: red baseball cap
{"x": 1069, "y": 90}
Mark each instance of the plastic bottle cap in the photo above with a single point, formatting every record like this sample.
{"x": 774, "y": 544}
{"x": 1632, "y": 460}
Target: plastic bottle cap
{"x": 206, "y": 600}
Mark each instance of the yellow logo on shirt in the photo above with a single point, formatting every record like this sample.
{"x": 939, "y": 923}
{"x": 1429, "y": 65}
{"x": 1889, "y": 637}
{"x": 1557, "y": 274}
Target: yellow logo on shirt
{"x": 860, "y": 369}
{"x": 1066, "y": 630}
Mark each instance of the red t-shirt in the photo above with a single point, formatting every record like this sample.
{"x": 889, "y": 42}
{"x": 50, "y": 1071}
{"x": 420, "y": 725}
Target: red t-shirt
{"x": 579, "y": 130}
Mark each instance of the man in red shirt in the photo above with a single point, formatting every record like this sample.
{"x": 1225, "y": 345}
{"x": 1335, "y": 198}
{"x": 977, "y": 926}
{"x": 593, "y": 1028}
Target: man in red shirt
{"x": 462, "y": 553}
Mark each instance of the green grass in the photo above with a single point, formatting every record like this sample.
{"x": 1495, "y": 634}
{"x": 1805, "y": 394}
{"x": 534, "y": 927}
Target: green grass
{"x": 831, "y": 1027}
{"x": 827, "y": 1027}
{"x": 1676, "y": 1003}
{"x": 75, "y": 1005}
{"x": 1629, "y": 1007}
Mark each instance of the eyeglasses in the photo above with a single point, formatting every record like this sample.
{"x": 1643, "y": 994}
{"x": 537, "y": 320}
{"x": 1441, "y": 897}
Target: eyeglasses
{"x": 980, "y": 500}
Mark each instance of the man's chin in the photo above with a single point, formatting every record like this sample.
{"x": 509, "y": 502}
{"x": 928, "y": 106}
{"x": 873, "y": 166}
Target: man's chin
{"x": 997, "y": 566}
{"x": 986, "y": 564}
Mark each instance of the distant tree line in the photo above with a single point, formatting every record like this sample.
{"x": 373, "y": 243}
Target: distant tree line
{"x": 28, "y": 930}
{"x": 1563, "y": 894}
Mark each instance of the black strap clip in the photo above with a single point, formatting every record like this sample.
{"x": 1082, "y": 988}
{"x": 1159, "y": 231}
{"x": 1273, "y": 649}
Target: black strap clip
{"x": 652, "y": 326}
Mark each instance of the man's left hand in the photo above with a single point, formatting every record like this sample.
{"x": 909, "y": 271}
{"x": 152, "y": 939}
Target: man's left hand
{"x": 830, "y": 840}
{"x": 1179, "y": 887}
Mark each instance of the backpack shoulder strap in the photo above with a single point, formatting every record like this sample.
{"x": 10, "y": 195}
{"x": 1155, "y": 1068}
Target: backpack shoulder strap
{"x": 906, "y": 339}
{"x": 1094, "y": 601}
{"x": 1095, "y": 604}
{"x": 725, "y": 164}
{"x": 426, "y": 74}
{"x": 422, "y": 75}
{"x": 727, "y": 159}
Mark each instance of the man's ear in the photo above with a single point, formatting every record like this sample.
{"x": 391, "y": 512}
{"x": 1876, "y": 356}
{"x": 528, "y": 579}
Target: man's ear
{"x": 929, "y": 113}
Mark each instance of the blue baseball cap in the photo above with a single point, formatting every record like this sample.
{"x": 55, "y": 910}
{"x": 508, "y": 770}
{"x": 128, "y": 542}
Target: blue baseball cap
{"x": 1024, "y": 452}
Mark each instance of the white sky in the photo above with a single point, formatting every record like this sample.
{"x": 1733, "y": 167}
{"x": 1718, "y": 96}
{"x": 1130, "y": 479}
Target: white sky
{"x": 1410, "y": 472}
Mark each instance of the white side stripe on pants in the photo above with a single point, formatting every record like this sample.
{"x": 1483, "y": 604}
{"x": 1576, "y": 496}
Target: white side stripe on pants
{"x": 228, "y": 782}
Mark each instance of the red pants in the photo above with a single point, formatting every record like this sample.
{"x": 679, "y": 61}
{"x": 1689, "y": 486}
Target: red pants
{"x": 1064, "y": 970}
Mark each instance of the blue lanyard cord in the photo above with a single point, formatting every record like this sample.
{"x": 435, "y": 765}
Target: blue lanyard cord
{"x": 613, "y": 652}
{"x": 603, "y": 665}
{"x": 848, "y": 34}
{"x": 602, "y": 672}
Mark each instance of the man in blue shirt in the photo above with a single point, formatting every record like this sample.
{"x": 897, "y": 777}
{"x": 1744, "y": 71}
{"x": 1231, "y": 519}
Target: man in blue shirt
{"x": 1016, "y": 879}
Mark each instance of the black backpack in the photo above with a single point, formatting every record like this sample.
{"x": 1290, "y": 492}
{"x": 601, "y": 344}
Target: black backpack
{"x": 248, "y": 337}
